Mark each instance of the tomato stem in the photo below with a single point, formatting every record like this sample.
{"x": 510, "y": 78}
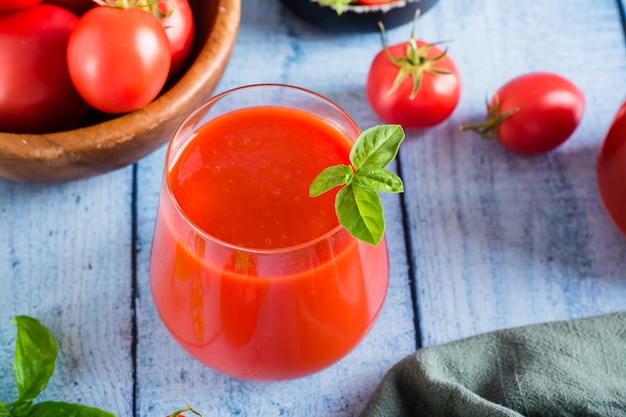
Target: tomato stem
{"x": 415, "y": 61}
{"x": 159, "y": 8}
{"x": 338, "y": 5}
{"x": 489, "y": 128}
{"x": 184, "y": 410}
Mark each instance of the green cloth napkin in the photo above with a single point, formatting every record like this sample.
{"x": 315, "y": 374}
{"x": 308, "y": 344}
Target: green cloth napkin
{"x": 565, "y": 368}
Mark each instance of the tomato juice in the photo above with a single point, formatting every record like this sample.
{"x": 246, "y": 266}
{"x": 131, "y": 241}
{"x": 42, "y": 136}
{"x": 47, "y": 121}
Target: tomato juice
{"x": 248, "y": 183}
{"x": 253, "y": 277}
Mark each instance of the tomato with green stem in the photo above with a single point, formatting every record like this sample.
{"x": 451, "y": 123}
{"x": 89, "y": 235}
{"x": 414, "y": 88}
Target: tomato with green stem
{"x": 414, "y": 84}
{"x": 533, "y": 113}
{"x": 118, "y": 58}
{"x": 177, "y": 18}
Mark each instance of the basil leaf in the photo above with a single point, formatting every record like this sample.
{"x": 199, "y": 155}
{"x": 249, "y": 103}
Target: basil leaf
{"x": 360, "y": 211}
{"x": 330, "y": 178}
{"x": 376, "y": 146}
{"x": 34, "y": 361}
{"x": 62, "y": 409}
{"x": 358, "y": 205}
{"x": 4, "y": 410}
{"x": 20, "y": 408}
{"x": 378, "y": 179}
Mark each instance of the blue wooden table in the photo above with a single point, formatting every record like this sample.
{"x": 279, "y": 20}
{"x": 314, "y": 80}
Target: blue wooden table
{"x": 482, "y": 239}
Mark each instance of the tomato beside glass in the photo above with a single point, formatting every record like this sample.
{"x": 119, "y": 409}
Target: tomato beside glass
{"x": 118, "y": 58}
{"x": 428, "y": 93}
{"x": 611, "y": 170}
{"x": 36, "y": 93}
{"x": 533, "y": 113}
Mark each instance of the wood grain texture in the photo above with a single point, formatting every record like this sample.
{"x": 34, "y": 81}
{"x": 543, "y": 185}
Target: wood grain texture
{"x": 65, "y": 259}
{"x": 500, "y": 240}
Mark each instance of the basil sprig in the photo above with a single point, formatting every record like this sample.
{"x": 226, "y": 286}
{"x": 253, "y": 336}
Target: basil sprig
{"x": 358, "y": 204}
{"x": 34, "y": 363}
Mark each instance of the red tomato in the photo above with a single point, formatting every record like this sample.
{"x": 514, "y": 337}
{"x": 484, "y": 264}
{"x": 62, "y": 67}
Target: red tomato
{"x": 36, "y": 94}
{"x": 374, "y": 2}
{"x": 180, "y": 29}
{"x": 534, "y": 113}
{"x": 118, "y": 58}
{"x": 611, "y": 170}
{"x": 424, "y": 96}
{"x": 78, "y": 7}
{"x": 6, "y": 5}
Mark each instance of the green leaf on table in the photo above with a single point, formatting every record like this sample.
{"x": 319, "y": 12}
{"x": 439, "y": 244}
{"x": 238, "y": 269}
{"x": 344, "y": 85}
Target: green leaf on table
{"x": 357, "y": 203}
{"x": 63, "y": 409}
{"x": 34, "y": 361}
{"x": 377, "y": 146}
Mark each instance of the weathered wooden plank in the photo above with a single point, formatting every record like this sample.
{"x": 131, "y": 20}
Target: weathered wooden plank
{"x": 65, "y": 259}
{"x": 501, "y": 240}
{"x": 167, "y": 377}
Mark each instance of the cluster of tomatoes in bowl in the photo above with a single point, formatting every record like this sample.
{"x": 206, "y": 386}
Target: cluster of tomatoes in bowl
{"x": 61, "y": 58}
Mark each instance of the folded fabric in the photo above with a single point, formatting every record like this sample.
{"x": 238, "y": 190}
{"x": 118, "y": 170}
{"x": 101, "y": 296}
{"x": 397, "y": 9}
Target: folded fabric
{"x": 565, "y": 368}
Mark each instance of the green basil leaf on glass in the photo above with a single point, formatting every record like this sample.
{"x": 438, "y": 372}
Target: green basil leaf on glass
{"x": 358, "y": 204}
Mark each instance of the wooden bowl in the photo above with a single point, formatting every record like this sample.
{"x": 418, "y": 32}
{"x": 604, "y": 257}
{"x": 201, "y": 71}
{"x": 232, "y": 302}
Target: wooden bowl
{"x": 106, "y": 143}
{"x": 357, "y": 18}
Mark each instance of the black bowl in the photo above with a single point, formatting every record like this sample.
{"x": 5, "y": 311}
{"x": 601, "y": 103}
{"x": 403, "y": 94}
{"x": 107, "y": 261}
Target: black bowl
{"x": 356, "y": 18}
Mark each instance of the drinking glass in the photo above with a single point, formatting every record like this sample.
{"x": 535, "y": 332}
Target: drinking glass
{"x": 246, "y": 277}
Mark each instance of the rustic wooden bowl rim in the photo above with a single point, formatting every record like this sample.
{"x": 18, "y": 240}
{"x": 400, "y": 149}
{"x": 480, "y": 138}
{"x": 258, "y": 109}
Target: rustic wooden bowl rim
{"x": 109, "y": 145}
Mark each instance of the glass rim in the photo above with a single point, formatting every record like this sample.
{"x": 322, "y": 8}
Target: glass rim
{"x": 208, "y": 236}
